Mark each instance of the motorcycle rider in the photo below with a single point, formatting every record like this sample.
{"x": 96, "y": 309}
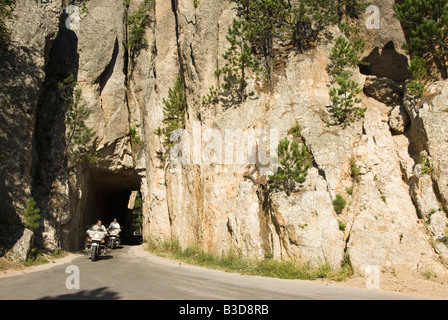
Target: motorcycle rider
{"x": 99, "y": 227}
{"x": 114, "y": 229}
{"x": 114, "y": 224}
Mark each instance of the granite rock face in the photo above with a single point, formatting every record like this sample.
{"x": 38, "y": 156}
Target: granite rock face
{"x": 217, "y": 195}
{"x": 23, "y": 73}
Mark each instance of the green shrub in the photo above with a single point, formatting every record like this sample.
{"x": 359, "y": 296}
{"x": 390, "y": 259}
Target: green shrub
{"x": 252, "y": 42}
{"x": 84, "y": 8}
{"x": 426, "y": 162}
{"x": 135, "y": 137}
{"x": 296, "y": 130}
{"x": 339, "y": 204}
{"x": 346, "y": 269}
{"x": 354, "y": 169}
{"x": 349, "y": 190}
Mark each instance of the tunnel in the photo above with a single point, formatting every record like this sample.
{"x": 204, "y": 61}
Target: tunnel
{"x": 108, "y": 198}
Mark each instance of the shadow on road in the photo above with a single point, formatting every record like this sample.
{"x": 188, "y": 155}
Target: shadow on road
{"x": 97, "y": 294}
{"x": 105, "y": 257}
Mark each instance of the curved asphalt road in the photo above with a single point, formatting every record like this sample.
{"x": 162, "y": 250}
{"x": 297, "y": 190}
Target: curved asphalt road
{"x": 131, "y": 273}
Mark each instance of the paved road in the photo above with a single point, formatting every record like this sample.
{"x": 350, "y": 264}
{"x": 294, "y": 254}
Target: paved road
{"x": 131, "y": 273}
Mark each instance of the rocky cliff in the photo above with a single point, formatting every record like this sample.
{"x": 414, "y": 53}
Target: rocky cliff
{"x": 395, "y": 213}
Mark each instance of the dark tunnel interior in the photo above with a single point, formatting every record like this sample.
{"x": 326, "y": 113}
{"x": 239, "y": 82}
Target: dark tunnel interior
{"x": 108, "y": 198}
{"x": 109, "y": 204}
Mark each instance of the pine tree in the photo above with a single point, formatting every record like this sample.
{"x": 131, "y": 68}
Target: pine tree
{"x": 313, "y": 16}
{"x": 310, "y": 18}
{"x": 344, "y": 56}
{"x": 137, "y": 23}
{"x": 346, "y": 106}
{"x": 77, "y": 134}
{"x": 238, "y": 58}
{"x": 351, "y": 8}
{"x": 268, "y": 22}
{"x": 294, "y": 162}
{"x": 245, "y": 6}
{"x": 174, "y": 114}
{"x": 31, "y": 215}
{"x": 427, "y": 21}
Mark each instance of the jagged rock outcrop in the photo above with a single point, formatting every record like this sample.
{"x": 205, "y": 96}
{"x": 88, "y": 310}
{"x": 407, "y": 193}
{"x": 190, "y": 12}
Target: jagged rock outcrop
{"x": 429, "y": 188}
{"x": 394, "y": 214}
{"x": 23, "y": 72}
{"x": 313, "y": 235}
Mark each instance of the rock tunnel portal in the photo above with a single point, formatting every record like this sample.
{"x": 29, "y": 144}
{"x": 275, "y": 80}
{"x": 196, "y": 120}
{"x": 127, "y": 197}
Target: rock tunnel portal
{"x": 111, "y": 195}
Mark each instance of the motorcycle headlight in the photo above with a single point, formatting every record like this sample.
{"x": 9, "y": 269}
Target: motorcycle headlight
{"x": 96, "y": 236}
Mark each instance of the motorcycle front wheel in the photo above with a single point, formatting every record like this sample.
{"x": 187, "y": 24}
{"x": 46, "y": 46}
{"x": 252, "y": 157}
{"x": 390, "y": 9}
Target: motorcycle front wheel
{"x": 93, "y": 255}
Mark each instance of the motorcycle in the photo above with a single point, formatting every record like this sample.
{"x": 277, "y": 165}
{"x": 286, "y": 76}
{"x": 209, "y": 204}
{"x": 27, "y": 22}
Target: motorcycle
{"x": 114, "y": 238}
{"x": 96, "y": 243}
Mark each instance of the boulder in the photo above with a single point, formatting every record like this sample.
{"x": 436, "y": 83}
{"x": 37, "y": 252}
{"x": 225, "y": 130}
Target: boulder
{"x": 383, "y": 90}
{"x": 22, "y": 248}
{"x": 398, "y": 120}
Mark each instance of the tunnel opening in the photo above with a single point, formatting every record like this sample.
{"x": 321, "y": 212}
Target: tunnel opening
{"x": 111, "y": 196}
